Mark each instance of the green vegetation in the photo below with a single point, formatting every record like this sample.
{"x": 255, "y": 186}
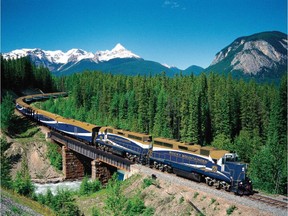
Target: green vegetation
{"x": 118, "y": 204}
{"x": 181, "y": 200}
{"x": 195, "y": 195}
{"x": 207, "y": 109}
{"x": 88, "y": 187}
{"x": 26, "y": 202}
{"x": 147, "y": 182}
{"x": 54, "y": 155}
{"x": 7, "y": 110}
{"x": 231, "y": 209}
{"x": 5, "y": 164}
{"x": 63, "y": 203}
{"x": 22, "y": 183}
{"x": 245, "y": 117}
{"x": 212, "y": 201}
{"x": 19, "y": 74}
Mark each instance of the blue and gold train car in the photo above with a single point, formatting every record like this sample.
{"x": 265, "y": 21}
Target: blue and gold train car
{"x": 216, "y": 167}
{"x": 80, "y": 130}
{"x": 132, "y": 145}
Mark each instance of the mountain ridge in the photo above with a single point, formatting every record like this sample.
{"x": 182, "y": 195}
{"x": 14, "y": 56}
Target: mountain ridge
{"x": 119, "y": 60}
{"x": 262, "y": 56}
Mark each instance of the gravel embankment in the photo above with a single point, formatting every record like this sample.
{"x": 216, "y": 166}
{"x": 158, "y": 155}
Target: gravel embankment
{"x": 9, "y": 207}
{"x": 211, "y": 190}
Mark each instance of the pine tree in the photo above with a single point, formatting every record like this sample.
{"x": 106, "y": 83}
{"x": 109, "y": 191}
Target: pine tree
{"x": 7, "y": 112}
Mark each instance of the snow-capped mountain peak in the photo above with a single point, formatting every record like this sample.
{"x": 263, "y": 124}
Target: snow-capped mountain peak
{"x": 55, "y": 60}
{"x": 118, "y": 47}
{"x": 117, "y": 52}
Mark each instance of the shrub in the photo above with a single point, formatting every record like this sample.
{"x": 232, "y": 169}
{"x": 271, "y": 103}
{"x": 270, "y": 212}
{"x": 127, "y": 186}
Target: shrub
{"x": 54, "y": 156}
{"x": 147, "y": 182}
{"x": 5, "y": 165}
{"x": 23, "y": 185}
{"x": 88, "y": 187}
{"x": 212, "y": 201}
{"x": 195, "y": 195}
{"x": 181, "y": 200}
{"x": 230, "y": 210}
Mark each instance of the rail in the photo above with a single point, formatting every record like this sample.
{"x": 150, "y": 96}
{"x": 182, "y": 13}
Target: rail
{"x": 90, "y": 151}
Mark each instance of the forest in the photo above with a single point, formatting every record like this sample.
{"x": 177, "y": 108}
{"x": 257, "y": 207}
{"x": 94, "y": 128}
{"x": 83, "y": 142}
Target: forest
{"x": 208, "y": 109}
{"x": 20, "y": 74}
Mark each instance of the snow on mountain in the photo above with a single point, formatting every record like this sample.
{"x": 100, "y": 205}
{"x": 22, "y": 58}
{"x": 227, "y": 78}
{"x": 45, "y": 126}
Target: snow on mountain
{"x": 72, "y": 55}
{"x": 166, "y": 65}
{"x": 56, "y": 60}
{"x": 117, "y": 52}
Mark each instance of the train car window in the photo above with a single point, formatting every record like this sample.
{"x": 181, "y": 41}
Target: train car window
{"x": 168, "y": 145}
{"x": 163, "y": 144}
{"x": 109, "y": 130}
{"x": 120, "y": 133}
{"x": 183, "y": 147}
{"x": 134, "y": 137}
{"x": 204, "y": 152}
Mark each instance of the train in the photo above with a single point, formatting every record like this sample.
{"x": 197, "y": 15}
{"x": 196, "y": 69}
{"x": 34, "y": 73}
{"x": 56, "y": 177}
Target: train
{"x": 215, "y": 167}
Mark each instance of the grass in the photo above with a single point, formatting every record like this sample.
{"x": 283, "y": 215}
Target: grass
{"x": 231, "y": 209}
{"x": 37, "y": 207}
{"x": 195, "y": 195}
{"x": 203, "y": 198}
{"x": 181, "y": 200}
{"x": 212, "y": 201}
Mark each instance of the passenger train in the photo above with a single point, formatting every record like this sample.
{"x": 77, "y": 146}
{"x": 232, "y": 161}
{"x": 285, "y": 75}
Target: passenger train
{"x": 208, "y": 164}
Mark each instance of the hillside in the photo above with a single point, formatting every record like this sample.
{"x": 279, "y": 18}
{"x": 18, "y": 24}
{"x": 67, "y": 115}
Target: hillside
{"x": 262, "y": 56}
{"x": 166, "y": 196}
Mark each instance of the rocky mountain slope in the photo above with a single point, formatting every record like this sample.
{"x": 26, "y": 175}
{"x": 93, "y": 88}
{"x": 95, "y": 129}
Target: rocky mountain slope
{"x": 262, "y": 55}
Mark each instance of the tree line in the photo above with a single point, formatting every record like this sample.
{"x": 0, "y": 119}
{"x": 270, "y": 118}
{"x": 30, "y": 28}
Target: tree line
{"x": 18, "y": 74}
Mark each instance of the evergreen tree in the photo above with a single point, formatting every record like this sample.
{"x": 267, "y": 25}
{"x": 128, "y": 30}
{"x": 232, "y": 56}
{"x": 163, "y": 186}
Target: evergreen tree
{"x": 161, "y": 124}
{"x": 5, "y": 164}
{"x": 22, "y": 183}
{"x": 7, "y": 112}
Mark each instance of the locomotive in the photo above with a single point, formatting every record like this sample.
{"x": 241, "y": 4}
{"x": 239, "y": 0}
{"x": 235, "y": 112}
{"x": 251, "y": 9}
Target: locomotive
{"x": 202, "y": 164}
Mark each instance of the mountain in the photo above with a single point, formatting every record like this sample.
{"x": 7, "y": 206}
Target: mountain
{"x": 196, "y": 70}
{"x": 119, "y": 60}
{"x": 262, "y": 56}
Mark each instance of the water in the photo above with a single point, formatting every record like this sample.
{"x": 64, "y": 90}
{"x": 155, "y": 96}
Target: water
{"x": 70, "y": 185}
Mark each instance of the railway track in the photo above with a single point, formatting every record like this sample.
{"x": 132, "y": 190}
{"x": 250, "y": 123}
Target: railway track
{"x": 270, "y": 201}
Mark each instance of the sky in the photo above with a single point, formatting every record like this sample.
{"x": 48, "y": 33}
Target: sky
{"x": 175, "y": 32}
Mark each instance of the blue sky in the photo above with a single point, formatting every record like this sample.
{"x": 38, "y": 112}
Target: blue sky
{"x": 175, "y": 32}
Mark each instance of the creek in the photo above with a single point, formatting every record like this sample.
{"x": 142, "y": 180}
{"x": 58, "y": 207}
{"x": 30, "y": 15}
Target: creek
{"x": 70, "y": 185}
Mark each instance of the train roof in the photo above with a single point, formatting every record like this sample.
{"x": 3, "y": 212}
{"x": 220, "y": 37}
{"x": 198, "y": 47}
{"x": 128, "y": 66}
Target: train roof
{"x": 84, "y": 125}
{"x": 189, "y": 147}
{"x": 140, "y": 137}
{"x": 125, "y": 131}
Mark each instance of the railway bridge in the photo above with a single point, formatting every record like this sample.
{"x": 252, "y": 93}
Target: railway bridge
{"x": 78, "y": 157}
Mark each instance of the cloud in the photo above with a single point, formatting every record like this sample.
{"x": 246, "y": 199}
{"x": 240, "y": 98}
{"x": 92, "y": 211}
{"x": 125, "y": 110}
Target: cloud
{"x": 172, "y": 4}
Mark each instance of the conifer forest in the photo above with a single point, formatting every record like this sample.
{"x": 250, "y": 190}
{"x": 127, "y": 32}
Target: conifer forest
{"x": 209, "y": 109}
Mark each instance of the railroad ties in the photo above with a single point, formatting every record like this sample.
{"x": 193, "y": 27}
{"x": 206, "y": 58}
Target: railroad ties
{"x": 270, "y": 201}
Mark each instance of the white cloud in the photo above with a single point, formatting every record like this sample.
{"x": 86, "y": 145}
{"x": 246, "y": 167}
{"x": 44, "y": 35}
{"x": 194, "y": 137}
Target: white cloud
{"x": 172, "y": 4}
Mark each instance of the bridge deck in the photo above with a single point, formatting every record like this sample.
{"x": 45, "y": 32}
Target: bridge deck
{"x": 91, "y": 152}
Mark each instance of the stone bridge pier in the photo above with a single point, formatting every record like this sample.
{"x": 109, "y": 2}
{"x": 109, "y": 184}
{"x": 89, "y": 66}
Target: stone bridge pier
{"x": 102, "y": 171}
{"x": 76, "y": 166}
